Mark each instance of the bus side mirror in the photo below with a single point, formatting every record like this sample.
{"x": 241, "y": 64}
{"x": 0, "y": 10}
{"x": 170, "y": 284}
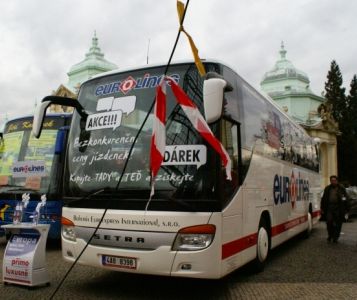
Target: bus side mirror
{"x": 213, "y": 90}
{"x": 38, "y": 118}
{"x": 45, "y": 103}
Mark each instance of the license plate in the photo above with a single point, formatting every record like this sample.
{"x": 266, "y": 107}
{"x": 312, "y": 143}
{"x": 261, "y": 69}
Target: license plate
{"x": 119, "y": 262}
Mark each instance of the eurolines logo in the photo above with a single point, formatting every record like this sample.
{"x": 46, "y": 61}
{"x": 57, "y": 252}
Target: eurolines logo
{"x": 28, "y": 169}
{"x": 113, "y": 110}
{"x": 290, "y": 189}
{"x": 130, "y": 83}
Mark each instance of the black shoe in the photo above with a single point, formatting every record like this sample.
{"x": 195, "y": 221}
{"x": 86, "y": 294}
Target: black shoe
{"x": 329, "y": 239}
{"x": 335, "y": 241}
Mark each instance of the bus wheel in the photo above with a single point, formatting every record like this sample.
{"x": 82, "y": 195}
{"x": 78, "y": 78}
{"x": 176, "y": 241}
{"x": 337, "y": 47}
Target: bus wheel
{"x": 263, "y": 245}
{"x": 307, "y": 232}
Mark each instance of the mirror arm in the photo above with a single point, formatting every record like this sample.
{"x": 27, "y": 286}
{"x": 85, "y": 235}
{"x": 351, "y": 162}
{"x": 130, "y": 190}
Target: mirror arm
{"x": 65, "y": 101}
{"x": 227, "y": 88}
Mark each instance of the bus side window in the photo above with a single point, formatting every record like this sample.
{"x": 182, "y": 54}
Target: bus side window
{"x": 231, "y": 98}
{"x": 230, "y": 140}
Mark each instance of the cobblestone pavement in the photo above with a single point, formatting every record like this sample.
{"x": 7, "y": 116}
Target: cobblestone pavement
{"x": 299, "y": 269}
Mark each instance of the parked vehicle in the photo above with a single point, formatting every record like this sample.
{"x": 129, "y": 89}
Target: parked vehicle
{"x": 352, "y": 201}
{"x": 197, "y": 223}
{"x": 33, "y": 167}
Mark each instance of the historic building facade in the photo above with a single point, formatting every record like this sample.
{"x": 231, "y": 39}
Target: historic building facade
{"x": 93, "y": 63}
{"x": 289, "y": 87}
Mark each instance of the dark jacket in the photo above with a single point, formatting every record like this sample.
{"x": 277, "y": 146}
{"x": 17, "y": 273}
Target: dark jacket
{"x": 342, "y": 204}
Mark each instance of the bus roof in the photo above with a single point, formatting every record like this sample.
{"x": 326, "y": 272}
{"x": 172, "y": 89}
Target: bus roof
{"x": 149, "y": 66}
{"x": 65, "y": 115}
{"x": 191, "y": 61}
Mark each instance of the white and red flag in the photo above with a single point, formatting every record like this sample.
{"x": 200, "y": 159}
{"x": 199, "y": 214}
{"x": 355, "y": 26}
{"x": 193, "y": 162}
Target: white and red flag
{"x": 158, "y": 139}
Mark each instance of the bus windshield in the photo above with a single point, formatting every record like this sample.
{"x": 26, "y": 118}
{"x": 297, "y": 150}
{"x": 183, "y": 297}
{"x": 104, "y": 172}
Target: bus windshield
{"x": 26, "y": 163}
{"x": 99, "y": 146}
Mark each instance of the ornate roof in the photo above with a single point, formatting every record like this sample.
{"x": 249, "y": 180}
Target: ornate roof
{"x": 93, "y": 63}
{"x": 284, "y": 76}
{"x": 289, "y": 88}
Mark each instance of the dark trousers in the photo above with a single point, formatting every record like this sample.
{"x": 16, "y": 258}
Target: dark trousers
{"x": 334, "y": 224}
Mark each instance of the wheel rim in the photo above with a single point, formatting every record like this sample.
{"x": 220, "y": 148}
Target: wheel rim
{"x": 263, "y": 244}
{"x": 309, "y": 220}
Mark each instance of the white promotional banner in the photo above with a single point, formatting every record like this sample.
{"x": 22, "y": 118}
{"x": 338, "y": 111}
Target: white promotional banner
{"x": 185, "y": 155}
{"x": 18, "y": 258}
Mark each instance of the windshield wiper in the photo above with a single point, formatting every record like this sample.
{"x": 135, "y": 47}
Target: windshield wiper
{"x": 183, "y": 203}
{"x": 10, "y": 185}
{"x": 127, "y": 194}
{"x": 87, "y": 197}
{"x": 23, "y": 189}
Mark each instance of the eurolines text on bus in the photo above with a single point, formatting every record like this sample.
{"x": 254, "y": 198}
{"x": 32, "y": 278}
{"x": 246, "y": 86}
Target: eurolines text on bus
{"x": 290, "y": 189}
{"x": 128, "y": 84}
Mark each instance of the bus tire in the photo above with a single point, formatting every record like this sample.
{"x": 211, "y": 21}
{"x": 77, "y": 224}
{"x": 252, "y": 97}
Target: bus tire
{"x": 307, "y": 232}
{"x": 263, "y": 246}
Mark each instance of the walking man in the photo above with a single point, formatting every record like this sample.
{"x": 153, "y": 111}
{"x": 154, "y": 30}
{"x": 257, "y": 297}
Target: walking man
{"x": 333, "y": 207}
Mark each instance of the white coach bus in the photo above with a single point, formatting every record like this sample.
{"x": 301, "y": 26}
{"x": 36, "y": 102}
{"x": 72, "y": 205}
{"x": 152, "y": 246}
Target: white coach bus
{"x": 198, "y": 223}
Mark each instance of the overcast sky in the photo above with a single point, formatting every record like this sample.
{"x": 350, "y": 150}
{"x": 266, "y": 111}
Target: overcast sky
{"x": 40, "y": 40}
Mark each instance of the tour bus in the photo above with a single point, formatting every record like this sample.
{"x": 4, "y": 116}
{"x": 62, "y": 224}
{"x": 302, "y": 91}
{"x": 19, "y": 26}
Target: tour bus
{"x": 33, "y": 167}
{"x": 197, "y": 223}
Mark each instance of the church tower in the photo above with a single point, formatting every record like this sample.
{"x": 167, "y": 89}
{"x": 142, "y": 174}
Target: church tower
{"x": 290, "y": 88}
{"x": 93, "y": 63}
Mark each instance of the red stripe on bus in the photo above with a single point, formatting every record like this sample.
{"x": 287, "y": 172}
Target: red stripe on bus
{"x": 233, "y": 247}
{"x": 316, "y": 214}
{"x": 239, "y": 245}
{"x": 287, "y": 225}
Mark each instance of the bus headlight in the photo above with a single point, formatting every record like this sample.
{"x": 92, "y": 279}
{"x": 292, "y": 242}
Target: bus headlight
{"x": 194, "y": 238}
{"x": 68, "y": 231}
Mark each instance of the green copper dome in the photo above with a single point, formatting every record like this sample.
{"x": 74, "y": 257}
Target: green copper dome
{"x": 289, "y": 88}
{"x": 93, "y": 64}
{"x": 285, "y": 77}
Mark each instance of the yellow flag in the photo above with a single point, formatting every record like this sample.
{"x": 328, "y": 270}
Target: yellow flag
{"x": 198, "y": 62}
{"x": 180, "y": 10}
